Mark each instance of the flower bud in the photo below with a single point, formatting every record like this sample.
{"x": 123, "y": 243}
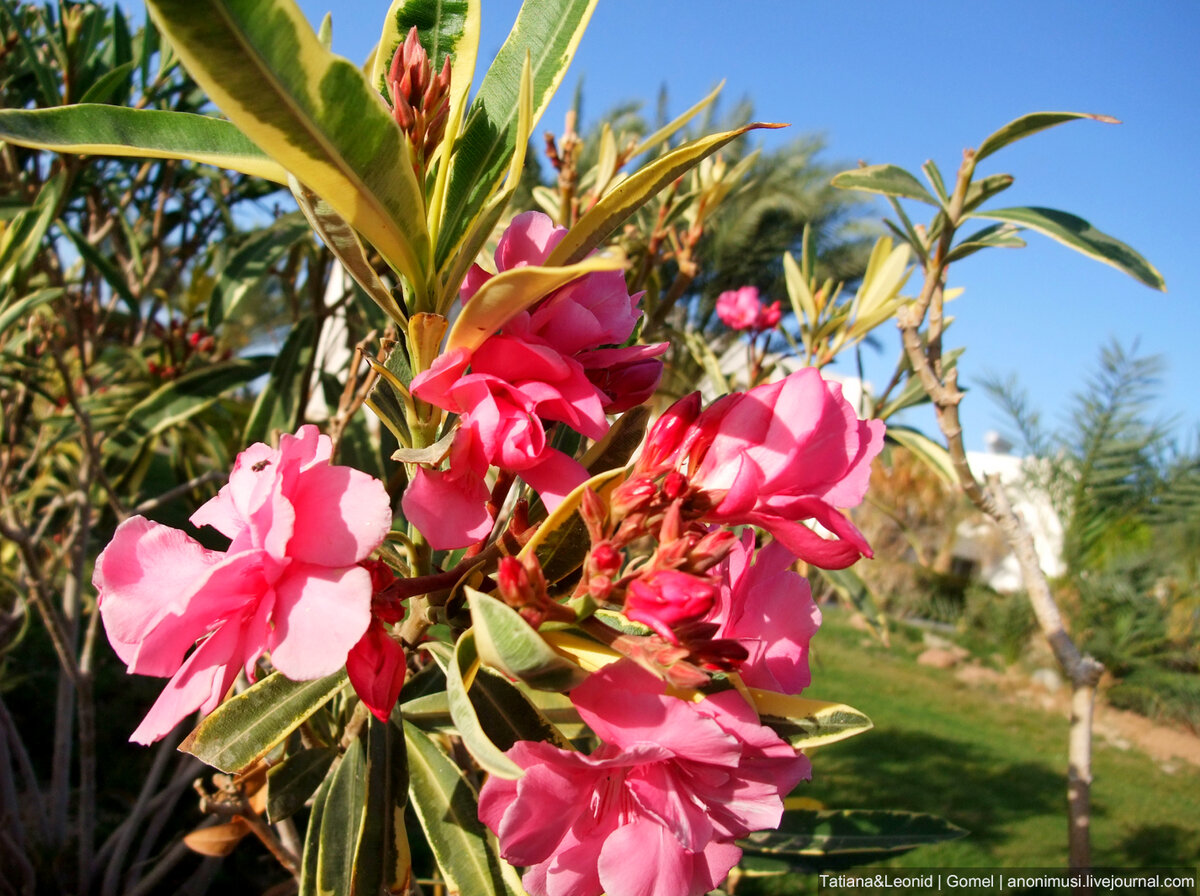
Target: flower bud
{"x": 667, "y": 434}
{"x": 668, "y": 598}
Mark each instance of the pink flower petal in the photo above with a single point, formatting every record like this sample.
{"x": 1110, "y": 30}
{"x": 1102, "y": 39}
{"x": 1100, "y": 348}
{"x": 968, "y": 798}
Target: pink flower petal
{"x": 643, "y": 859}
{"x": 342, "y": 515}
{"x": 200, "y": 684}
{"x": 450, "y": 510}
{"x": 160, "y": 592}
{"x": 320, "y": 614}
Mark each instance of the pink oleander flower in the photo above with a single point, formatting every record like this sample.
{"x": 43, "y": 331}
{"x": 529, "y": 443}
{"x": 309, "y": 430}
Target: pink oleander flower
{"x": 773, "y": 456}
{"x": 769, "y": 610}
{"x": 668, "y": 598}
{"x": 512, "y": 387}
{"x": 741, "y": 309}
{"x": 655, "y": 809}
{"x": 594, "y": 311}
{"x": 290, "y": 582}
{"x": 560, "y": 360}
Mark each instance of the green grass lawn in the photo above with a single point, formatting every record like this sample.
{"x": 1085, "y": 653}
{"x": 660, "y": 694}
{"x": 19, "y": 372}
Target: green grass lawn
{"x": 991, "y": 766}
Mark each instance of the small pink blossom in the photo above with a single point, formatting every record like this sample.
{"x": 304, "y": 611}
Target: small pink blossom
{"x": 773, "y": 456}
{"x": 290, "y": 582}
{"x": 741, "y": 309}
{"x": 655, "y": 809}
{"x": 668, "y": 598}
{"x": 769, "y": 610}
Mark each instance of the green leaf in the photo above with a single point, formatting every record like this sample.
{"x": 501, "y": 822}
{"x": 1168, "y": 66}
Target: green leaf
{"x": 382, "y": 860}
{"x": 293, "y": 781}
{"x": 278, "y": 403}
{"x": 249, "y": 725}
{"x": 21, "y": 241}
{"x": 667, "y": 131}
{"x": 549, "y": 34}
{"x": 177, "y": 401}
{"x": 805, "y": 723}
{"x": 341, "y": 822}
{"x": 44, "y": 75}
{"x": 246, "y": 269}
{"x": 1031, "y": 124}
{"x": 14, "y": 311}
{"x": 852, "y": 836}
{"x": 386, "y": 399}
{"x": 924, "y": 449}
{"x": 313, "y": 112}
{"x": 980, "y": 191}
{"x": 99, "y": 130}
{"x": 102, "y": 263}
{"x": 854, "y": 591}
{"x": 994, "y": 236}
{"x": 312, "y": 841}
{"x": 634, "y": 191}
{"x": 890, "y": 180}
{"x": 506, "y": 642}
{"x": 344, "y": 243}
{"x": 511, "y": 292}
{"x": 1078, "y": 234}
{"x": 448, "y": 811}
{"x": 459, "y": 673}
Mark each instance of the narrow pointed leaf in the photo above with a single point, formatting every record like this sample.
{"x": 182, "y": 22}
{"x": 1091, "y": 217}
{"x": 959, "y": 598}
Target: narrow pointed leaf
{"x": 341, "y": 822}
{"x": 926, "y": 450}
{"x": 890, "y": 180}
{"x": 635, "y": 191}
{"x": 1076, "y": 233}
{"x": 995, "y": 236}
{"x": 506, "y": 642}
{"x": 667, "y": 131}
{"x": 175, "y": 402}
{"x": 14, "y": 311}
{"x": 982, "y": 190}
{"x": 383, "y": 863}
{"x": 313, "y": 112}
{"x": 293, "y": 781}
{"x": 344, "y": 243}
{"x": 246, "y": 269}
{"x": 448, "y": 811}
{"x": 277, "y": 404}
{"x": 1031, "y": 124}
{"x": 21, "y": 241}
{"x": 549, "y": 33}
{"x": 865, "y": 834}
{"x": 459, "y": 674}
{"x": 98, "y": 130}
{"x": 511, "y": 292}
{"x": 249, "y": 725}
{"x": 807, "y": 723}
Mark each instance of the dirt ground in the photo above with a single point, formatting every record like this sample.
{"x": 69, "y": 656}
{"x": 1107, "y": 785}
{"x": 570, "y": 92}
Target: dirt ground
{"x": 1167, "y": 745}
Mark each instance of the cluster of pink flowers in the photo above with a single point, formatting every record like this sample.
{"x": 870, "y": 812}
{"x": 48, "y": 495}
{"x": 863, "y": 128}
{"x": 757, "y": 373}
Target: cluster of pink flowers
{"x": 292, "y": 582}
{"x": 674, "y": 780}
{"x": 560, "y": 361}
{"x": 741, "y": 309}
{"x": 656, "y": 808}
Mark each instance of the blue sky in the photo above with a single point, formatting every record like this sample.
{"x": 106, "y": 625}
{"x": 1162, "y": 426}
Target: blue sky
{"x": 903, "y": 82}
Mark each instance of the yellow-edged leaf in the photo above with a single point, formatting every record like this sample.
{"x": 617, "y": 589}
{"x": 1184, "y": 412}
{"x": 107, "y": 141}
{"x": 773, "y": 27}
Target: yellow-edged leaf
{"x": 511, "y": 292}
{"x": 91, "y": 129}
{"x": 634, "y": 191}
{"x": 311, "y": 111}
